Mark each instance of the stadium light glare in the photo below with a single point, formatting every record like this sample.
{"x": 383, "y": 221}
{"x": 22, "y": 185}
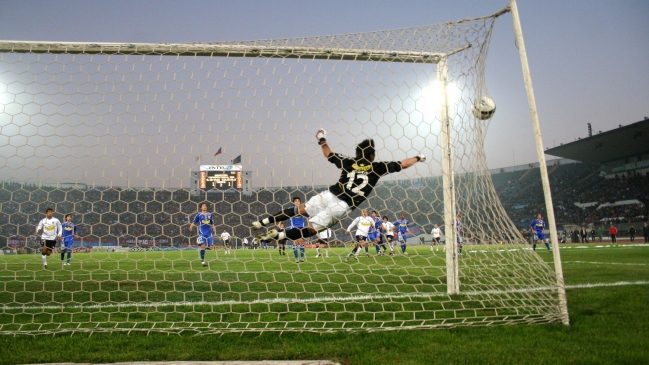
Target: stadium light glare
{"x": 430, "y": 101}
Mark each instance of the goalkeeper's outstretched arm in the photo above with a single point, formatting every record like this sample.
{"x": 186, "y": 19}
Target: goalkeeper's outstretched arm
{"x": 321, "y": 136}
{"x": 412, "y": 160}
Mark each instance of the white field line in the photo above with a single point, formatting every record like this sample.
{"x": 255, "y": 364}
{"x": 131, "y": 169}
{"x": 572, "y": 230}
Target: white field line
{"x": 350, "y": 298}
{"x": 349, "y": 271}
{"x": 91, "y": 276}
{"x": 604, "y": 263}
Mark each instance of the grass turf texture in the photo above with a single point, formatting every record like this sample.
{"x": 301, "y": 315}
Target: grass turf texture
{"x": 171, "y": 291}
{"x": 608, "y": 325}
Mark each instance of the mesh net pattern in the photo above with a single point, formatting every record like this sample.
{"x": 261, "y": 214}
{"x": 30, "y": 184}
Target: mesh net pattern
{"x": 114, "y": 134}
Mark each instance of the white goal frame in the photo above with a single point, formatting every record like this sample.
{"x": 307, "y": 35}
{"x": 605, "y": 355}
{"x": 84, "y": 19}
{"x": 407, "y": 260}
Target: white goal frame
{"x": 440, "y": 59}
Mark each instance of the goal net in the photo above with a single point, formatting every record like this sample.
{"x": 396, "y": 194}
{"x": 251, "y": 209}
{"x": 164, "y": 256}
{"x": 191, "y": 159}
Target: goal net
{"x": 130, "y": 138}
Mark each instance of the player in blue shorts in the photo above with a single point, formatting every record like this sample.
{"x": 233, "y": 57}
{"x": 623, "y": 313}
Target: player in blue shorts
{"x": 538, "y": 227}
{"x": 205, "y": 224}
{"x": 375, "y": 235}
{"x": 403, "y": 227}
{"x": 68, "y": 236}
{"x": 298, "y": 221}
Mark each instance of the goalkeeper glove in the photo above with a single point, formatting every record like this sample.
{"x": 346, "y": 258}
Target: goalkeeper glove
{"x": 321, "y": 136}
{"x": 421, "y": 157}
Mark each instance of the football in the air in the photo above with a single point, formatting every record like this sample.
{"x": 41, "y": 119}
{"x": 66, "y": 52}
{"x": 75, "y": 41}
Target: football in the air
{"x": 484, "y": 108}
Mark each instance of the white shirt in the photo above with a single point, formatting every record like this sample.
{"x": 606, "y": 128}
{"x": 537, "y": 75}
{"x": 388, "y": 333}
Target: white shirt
{"x": 388, "y": 228}
{"x": 51, "y": 228}
{"x": 245, "y": 241}
{"x": 363, "y": 223}
{"x": 436, "y": 232}
{"x": 225, "y": 236}
{"x": 326, "y": 234}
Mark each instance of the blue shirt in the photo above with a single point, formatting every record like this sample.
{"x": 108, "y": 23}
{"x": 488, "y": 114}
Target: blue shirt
{"x": 538, "y": 225}
{"x": 204, "y": 223}
{"x": 297, "y": 222}
{"x": 69, "y": 229}
{"x": 402, "y": 225}
{"x": 377, "y": 225}
{"x": 458, "y": 228}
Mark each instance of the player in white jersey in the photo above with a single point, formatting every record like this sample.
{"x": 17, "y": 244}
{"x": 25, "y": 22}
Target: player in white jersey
{"x": 387, "y": 229}
{"x": 437, "y": 236}
{"x": 225, "y": 237}
{"x": 323, "y": 240}
{"x": 363, "y": 224}
{"x": 50, "y": 230}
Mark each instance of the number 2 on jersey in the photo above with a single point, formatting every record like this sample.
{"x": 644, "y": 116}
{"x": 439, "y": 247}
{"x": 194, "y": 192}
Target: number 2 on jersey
{"x": 353, "y": 176}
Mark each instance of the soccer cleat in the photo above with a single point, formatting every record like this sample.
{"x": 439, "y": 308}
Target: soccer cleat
{"x": 203, "y": 263}
{"x": 327, "y": 256}
{"x": 367, "y": 255}
{"x": 256, "y": 225}
{"x": 271, "y": 235}
{"x": 297, "y": 261}
{"x": 318, "y": 255}
{"x": 405, "y": 254}
{"x": 44, "y": 266}
{"x": 302, "y": 260}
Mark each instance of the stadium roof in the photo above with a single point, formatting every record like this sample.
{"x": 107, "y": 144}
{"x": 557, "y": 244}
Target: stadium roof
{"x": 607, "y": 146}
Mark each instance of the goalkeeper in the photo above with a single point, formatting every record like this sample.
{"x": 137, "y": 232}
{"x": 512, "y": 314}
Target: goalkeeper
{"x": 358, "y": 176}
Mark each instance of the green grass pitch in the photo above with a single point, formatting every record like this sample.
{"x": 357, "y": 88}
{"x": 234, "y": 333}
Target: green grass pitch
{"x": 607, "y": 299}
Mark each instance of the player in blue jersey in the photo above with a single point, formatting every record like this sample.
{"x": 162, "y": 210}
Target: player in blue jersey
{"x": 375, "y": 236}
{"x": 538, "y": 227}
{"x": 458, "y": 233}
{"x": 205, "y": 224}
{"x": 68, "y": 236}
{"x": 403, "y": 228}
{"x": 297, "y": 221}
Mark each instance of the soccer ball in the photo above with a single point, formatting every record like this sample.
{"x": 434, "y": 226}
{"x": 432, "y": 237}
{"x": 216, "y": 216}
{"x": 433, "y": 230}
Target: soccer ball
{"x": 484, "y": 108}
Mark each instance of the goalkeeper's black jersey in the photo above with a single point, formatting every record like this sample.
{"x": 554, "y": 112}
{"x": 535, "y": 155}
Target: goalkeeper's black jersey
{"x": 358, "y": 177}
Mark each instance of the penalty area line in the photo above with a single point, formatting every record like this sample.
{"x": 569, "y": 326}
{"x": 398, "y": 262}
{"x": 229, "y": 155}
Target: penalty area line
{"x": 604, "y": 263}
{"x": 350, "y": 298}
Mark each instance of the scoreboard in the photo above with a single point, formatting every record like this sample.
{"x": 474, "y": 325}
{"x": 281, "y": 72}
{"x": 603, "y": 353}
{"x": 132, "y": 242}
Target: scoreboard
{"x": 220, "y": 177}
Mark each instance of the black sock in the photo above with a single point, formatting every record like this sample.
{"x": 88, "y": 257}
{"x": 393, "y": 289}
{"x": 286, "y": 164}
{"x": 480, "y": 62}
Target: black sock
{"x": 297, "y": 233}
{"x": 282, "y": 216}
{"x": 62, "y": 255}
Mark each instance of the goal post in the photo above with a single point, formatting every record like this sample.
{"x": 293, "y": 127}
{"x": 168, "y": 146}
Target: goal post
{"x": 129, "y": 138}
{"x": 545, "y": 180}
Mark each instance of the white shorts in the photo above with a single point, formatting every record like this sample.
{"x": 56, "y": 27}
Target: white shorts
{"x": 325, "y": 210}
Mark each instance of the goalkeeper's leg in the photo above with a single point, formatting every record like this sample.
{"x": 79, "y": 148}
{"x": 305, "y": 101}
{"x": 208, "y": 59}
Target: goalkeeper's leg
{"x": 280, "y": 216}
